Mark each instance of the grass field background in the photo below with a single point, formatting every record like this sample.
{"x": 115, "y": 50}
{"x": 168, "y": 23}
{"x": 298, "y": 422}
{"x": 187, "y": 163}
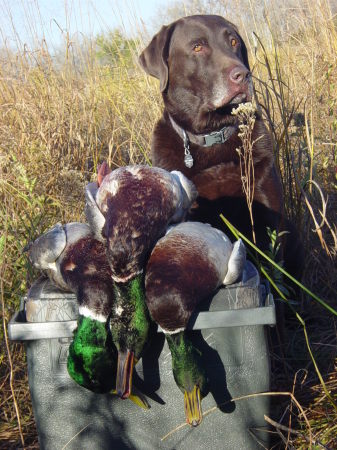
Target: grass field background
{"x": 64, "y": 111}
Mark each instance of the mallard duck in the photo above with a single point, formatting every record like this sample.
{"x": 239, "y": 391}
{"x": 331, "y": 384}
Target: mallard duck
{"x": 186, "y": 266}
{"x": 128, "y": 210}
{"x": 76, "y": 262}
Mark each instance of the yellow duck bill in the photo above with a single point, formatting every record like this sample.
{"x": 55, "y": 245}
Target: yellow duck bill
{"x": 192, "y": 403}
{"x": 137, "y": 398}
{"x": 126, "y": 363}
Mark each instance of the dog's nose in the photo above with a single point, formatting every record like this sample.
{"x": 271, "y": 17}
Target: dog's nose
{"x": 239, "y": 74}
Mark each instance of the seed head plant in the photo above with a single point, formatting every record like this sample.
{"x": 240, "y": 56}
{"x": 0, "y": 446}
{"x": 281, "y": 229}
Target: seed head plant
{"x": 245, "y": 114}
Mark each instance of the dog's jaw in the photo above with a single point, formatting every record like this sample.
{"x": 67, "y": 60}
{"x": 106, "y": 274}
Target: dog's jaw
{"x": 209, "y": 113}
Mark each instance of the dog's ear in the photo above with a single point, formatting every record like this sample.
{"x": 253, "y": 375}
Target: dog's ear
{"x": 244, "y": 54}
{"x": 154, "y": 58}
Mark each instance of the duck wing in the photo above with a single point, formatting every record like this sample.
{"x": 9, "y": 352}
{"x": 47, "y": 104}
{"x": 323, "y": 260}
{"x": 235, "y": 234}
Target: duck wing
{"x": 92, "y": 213}
{"x": 236, "y": 263}
{"x": 45, "y": 253}
{"x": 137, "y": 204}
{"x": 47, "y": 248}
{"x": 186, "y": 196}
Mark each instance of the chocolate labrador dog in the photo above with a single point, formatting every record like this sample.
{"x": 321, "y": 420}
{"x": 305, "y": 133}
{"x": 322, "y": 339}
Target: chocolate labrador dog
{"x": 202, "y": 65}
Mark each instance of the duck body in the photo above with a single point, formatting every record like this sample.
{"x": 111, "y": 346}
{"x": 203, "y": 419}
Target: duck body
{"x": 74, "y": 260}
{"x": 186, "y": 266}
{"x": 129, "y": 209}
{"x": 92, "y": 359}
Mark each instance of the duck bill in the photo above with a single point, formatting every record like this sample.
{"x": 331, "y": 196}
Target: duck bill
{"x": 192, "y": 402}
{"x": 126, "y": 362}
{"x": 137, "y": 398}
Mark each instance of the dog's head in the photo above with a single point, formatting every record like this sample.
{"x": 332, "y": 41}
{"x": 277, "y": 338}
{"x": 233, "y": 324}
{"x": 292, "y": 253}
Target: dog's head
{"x": 202, "y": 64}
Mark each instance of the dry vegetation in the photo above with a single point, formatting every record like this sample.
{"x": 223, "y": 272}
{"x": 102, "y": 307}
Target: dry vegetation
{"x": 61, "y": 115}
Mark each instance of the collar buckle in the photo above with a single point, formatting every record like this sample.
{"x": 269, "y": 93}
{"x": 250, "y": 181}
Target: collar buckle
{"x": 216, "y": 137}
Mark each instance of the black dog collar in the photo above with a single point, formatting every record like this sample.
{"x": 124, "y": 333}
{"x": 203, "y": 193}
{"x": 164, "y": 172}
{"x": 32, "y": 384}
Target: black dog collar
{"x": 204, "y": 140}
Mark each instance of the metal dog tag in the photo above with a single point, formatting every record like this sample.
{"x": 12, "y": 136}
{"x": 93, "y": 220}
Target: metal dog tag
{"x": 188, "y": 160}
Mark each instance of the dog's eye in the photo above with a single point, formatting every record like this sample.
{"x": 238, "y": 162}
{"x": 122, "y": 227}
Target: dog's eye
{"x": 234, "y": 42}
{"x": 197, "y": 48}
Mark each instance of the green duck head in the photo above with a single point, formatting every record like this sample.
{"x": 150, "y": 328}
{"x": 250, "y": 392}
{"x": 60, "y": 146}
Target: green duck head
{"x": 189, "y": 374}
{"x": 129, "y": 326}
{"x": 92, "y": 359}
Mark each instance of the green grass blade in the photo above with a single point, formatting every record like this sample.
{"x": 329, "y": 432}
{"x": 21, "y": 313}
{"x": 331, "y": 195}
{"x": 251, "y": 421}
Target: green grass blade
{"x": 237, "y": 234}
